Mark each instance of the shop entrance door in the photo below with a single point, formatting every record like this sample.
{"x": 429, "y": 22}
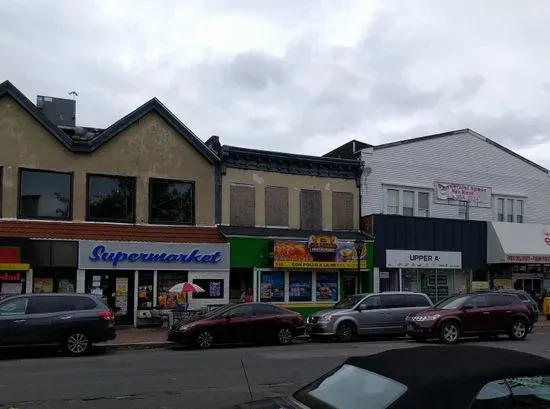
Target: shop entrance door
{"x": 116, "y": 289}
{"x": 529, "y": 284}
{"x": 350, "y": 286}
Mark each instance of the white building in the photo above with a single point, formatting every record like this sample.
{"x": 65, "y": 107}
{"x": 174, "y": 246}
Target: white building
{"x": 412, "y": 178}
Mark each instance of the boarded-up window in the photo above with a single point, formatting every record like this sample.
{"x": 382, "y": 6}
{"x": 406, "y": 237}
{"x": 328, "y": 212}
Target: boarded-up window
{"x": 242, "y": 209}
{"x": 311, "y": 210}
{"x": 276, "y": 206}
{"x": 342, "y": 211}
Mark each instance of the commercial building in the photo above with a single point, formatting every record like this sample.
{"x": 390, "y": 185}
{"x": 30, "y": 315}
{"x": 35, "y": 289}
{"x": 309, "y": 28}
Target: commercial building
{"x": 458, "y": 175}
{"x": 122, "y": 212}
{"x": 292, "y": 222}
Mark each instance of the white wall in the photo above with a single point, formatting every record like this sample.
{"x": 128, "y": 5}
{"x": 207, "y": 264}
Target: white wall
{"x": 463, "y": 158}
{"x": 203, "y": 302}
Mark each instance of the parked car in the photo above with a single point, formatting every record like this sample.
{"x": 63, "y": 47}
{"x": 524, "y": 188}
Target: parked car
{"x": 476, "y": 314}
{"x": 464, "y": 377}
{"x": 72, "y": 321}
{"x": 528, "y": 300}
{"x": 240, "y": 323}
{"x": 381, "y": 314}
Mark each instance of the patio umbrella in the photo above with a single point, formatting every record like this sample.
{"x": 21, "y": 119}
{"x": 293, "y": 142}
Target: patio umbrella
{"x": 183, "y": 288}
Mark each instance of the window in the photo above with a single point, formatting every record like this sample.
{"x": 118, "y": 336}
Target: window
{"x": 478, "y": 301}
{"x": 408, "y": 203}
{"x": 14, "y": 307}
{"x": 242, "y": 206}
{"x": 342, "y": 211}
{"x": 423, "y": 204}
{"x": 463, "y": 210}
{"x": 499, "y": 300}
{"x": 393, "y": 201}
{"x": 417, "y": 300}
{"x": 522, "y": 392}
{"x": 500, "y": 210}
{"x": 171, "y": 202}
{"x": 213, "y": 288}
{"x": 393, "y": 301}
{"x": 300, "y": 286}
{"x": 241, "y": 311}
{"x": 509, "y": 209}
{"x": 327, "y": 287}
{"x": 519, "y": 211}
{"x": 372, "y": 303}
{"x": 45, "y": 305}
{"x": 311, "y": 210}
{"x": 266, "y": 309}
{"x": 276, "y": 206}
{"x": 44, "y": 194}
{"x": 165, "y": 281}
{"x": 272, "y": 286}
{"x": 111, "y": 199}
{"x": 350, "y": 387}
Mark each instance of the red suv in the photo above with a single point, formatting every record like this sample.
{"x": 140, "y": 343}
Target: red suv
{"x": 481, "y": 314}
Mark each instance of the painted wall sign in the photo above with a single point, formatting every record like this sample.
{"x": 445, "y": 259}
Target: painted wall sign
{"x": 152, "y": 256}
{"x": 455, "y": 193}
{"x": 423, "y": 259}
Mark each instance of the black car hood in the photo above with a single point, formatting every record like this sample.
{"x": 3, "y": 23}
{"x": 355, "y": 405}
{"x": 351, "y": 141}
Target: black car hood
{"x": 267, "y": 403}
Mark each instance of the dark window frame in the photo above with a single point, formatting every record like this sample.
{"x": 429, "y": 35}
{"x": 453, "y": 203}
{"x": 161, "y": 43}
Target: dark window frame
{"x": 134, "y": 201}
{"x": 2, "y": 188}
{"x": 19, "y": 201}
{"x": 150, "y": 207}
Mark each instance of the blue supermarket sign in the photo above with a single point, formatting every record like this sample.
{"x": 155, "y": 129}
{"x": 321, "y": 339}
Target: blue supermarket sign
{"x": 152, "y": 256}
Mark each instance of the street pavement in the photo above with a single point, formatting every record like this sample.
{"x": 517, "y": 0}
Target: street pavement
{"x": 189, "y": 379}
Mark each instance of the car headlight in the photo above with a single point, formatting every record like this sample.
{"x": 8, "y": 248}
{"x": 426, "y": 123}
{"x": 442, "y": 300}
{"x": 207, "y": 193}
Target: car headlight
{"x": 326, "y": 318}
{"x": 185, "y": 327}
{"x": 432, "y": 317}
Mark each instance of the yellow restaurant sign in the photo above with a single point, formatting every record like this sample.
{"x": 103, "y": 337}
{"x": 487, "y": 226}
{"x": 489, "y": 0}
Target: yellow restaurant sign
{"x": 319, "y": 264}
{"x": 14, "y": 266}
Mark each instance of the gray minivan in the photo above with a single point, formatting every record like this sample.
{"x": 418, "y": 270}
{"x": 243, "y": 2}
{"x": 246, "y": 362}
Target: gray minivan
{"x": 381, "y": 314}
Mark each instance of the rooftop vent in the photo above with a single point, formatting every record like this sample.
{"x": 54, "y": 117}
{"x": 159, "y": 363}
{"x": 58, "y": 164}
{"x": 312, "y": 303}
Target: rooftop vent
{"x": 62, "y": 112}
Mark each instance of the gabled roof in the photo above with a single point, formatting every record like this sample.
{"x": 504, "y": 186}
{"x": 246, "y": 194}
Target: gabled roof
{"x": 87, "y": 146}
{"x": 459, "y": 132}
{"x": 349, "y": 150}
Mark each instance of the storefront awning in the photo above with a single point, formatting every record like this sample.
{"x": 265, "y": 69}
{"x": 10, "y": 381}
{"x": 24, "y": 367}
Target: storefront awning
{"x": 518, "y": 243}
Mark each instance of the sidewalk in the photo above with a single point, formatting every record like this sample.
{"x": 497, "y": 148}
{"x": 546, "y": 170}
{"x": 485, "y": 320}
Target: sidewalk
{"x": 140, "y": 338}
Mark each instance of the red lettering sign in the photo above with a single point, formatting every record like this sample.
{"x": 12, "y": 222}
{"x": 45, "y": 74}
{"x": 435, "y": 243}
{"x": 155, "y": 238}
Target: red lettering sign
{"x": 10, "y": 277}
{"x": 547, "y": 241}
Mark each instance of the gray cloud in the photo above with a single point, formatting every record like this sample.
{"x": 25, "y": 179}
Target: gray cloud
{"x": 316, "y": 74}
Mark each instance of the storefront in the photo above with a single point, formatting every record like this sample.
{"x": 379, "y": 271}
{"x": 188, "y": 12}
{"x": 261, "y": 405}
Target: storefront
{"x": 438, "y": 257}
{"x": 54, "y": 265}
{"x": 134, "y": 277}
{"x": 14, "y": 273}
{"x": 518, "y": 255}
{"x": 309, "y": 275}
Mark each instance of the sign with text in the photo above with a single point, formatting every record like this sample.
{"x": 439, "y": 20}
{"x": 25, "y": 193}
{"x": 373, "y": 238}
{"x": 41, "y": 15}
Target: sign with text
{"x": 423, "y": 259}
{"x": 456, "y": 193}
{"x": 529, "y": 258}
{"x": 111, "y": 255}
{"x": 325, "y": 252}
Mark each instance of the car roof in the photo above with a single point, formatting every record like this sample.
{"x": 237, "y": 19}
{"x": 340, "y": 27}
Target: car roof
{"x": 466, "y": 370}
{"x": 391, "y": 293}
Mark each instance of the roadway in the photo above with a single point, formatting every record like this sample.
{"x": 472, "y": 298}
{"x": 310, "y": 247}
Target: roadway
{"x": 189, "y": 379}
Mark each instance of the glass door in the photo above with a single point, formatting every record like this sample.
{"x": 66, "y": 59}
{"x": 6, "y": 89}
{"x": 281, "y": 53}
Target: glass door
{"x": 350, "y": 285}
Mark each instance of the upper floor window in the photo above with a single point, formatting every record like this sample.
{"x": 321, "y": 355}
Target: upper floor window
{"x": 509, "y": 209}
{"x": 311, "y": 210}
{"x": 276, "y": 206}
{"x": 407, "y": 202}
{"x": 342, "y": 210}
{"x": 44, "y": 194}
{"x": 242, "y": 207}
{"x": 171, "y": 202}
{"x": 111, "y": 199}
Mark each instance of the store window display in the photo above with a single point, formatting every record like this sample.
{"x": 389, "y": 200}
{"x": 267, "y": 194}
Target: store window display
{"x": 165, "y": 281}
{"x": 327, "y": 287}
{"x": 272, "y": 286}
{"x": 300, "y": 286}
{"x": 436, "y": 283}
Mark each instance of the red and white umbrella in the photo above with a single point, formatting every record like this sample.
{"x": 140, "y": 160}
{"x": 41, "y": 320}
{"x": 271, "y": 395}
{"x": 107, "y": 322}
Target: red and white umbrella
{"x": 183, "y": 288}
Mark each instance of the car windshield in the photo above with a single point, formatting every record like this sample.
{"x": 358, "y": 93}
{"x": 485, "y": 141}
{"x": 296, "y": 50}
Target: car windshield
{"x": 451, "y": 303}
{"x": 349, "y": 387}
{"x": 348, "y": 302}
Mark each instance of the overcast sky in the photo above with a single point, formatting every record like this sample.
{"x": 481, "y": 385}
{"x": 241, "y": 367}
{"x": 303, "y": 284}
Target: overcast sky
{"x": 300, "y": 76}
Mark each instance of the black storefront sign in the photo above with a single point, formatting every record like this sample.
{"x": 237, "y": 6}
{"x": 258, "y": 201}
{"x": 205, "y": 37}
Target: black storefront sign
{"x": 417, "y": 233}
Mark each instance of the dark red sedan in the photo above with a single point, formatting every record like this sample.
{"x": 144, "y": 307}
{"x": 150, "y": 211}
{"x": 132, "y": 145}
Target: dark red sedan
{"x": 239, "y": 323}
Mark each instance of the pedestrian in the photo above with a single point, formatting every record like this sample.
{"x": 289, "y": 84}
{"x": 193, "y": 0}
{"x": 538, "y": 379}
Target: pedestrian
{"x": 247, "y": 297}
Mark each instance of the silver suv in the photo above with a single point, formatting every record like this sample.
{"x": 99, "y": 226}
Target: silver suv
{"x": 381, "y": 314}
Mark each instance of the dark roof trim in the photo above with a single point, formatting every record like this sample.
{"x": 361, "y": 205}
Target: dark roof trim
{"x": 288, "y": 163}
{"x": 7, "y": 88}
{"x": 349, "y": 150}
{"x": 291, "y": 234}
{"x": 87, "y": 146}
{"x": 459, "y": 132}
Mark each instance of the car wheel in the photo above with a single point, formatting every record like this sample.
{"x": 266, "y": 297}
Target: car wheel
{"x": 449, "y": 333}
{"x": 205, "y": 339}
{"x": 285, "y": 336}
{"x": 77, "y": 343}
{"x": 345, "y": 332}
{"x": 518, "y": 330}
